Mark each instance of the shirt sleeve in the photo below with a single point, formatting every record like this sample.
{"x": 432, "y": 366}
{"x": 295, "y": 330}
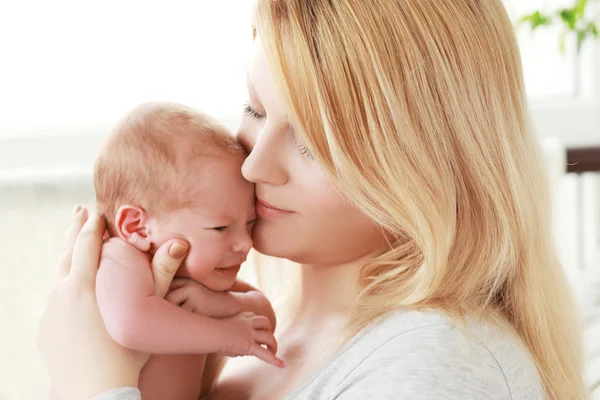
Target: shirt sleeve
{"x": 123, "y": 393}
{"x": 426, "y": 365}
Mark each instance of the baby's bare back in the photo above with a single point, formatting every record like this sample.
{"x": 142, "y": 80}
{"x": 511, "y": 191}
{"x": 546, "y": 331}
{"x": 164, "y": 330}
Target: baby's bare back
{"x": 172, "y": 377}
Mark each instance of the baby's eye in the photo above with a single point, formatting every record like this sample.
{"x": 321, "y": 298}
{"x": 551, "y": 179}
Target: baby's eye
{"x": 251, "y": 222}
{"x": 220, "y": 228}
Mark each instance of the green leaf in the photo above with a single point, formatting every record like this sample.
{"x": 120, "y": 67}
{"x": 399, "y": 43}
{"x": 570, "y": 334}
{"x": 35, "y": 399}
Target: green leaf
{"x": 582, "y": 34}
{"x": 593, "y": 28}
{"x": 580, "y": 7}
{"x": 562, "y": 43}
{"x": 535, "y": 20}
{"x": 568, "y": 17}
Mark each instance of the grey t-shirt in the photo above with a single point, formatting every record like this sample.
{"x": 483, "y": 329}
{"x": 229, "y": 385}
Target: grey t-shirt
{"x": 419, "y": 355}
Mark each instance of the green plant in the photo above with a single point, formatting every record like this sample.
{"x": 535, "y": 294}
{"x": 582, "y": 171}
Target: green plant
{"x": 574, "y": 21}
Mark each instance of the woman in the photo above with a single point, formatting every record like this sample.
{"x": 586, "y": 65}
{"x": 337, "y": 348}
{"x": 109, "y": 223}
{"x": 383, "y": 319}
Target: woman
{"x": 393, "y": 159}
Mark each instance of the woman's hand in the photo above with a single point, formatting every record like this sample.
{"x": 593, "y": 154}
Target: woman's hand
{"x": 81, "y": 359}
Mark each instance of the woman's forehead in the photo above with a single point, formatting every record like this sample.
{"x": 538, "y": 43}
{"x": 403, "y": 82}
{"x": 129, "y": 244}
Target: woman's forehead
{"x": 256, "y": 66}
{"x": 262, "y": 88}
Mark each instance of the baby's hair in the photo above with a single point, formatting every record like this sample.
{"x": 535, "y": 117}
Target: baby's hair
{"x": 148, "y": 158}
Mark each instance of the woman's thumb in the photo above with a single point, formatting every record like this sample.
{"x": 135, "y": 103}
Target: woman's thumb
{"x": 166, "y": 262}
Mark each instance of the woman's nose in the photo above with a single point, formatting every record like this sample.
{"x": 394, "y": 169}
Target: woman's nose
{"x": 265, "y": 163}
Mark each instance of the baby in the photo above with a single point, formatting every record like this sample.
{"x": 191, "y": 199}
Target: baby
{"x": 167, "y": 172}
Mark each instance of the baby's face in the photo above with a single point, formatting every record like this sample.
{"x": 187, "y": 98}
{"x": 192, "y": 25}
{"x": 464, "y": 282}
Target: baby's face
{"x": 218, "y": 227}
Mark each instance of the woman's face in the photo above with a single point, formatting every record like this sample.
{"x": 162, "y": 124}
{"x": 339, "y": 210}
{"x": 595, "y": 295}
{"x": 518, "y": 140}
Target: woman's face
{"x": 301, "y": 216}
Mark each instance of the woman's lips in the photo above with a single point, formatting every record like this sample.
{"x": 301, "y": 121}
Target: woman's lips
{"x": 267, "y": 210}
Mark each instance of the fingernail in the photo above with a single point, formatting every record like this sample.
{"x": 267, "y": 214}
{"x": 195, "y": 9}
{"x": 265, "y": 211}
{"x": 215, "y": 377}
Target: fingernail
{"x": 178, "y": 251}
{"x": 76, "y": 209}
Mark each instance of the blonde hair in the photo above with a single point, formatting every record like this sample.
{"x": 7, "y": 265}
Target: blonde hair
{"x": 147, "y": 158}
{"x": 417, "y": 110}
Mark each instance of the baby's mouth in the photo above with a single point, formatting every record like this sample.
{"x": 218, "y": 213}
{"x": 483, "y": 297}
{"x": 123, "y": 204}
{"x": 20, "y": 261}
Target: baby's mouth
{"x": 231, "y": 270}
{"x": 230, "y": 267}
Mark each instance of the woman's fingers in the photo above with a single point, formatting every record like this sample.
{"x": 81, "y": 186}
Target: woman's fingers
{"x": 79, "y": 218}
{"x": 88, "y": 246}
{"x": 166, "y": 262}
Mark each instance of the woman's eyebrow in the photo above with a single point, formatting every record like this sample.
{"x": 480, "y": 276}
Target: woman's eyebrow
{"x": 249, "y": 84}
{"x": 252, "y": 93}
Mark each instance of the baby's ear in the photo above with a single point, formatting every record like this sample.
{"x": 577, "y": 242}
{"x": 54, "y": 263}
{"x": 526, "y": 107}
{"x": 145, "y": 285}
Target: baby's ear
{"x": 131, "y": 226}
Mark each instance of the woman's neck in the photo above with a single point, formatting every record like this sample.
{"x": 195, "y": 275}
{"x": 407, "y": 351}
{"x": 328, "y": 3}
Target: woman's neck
{"x": 327, "y": 292}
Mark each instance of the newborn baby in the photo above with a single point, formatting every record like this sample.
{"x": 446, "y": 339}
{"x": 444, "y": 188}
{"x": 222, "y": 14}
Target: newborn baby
{"x": 165, "y": 172}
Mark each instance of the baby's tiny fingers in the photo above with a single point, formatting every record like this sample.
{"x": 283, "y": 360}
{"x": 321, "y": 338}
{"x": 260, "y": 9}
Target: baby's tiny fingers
{"x": 267, "y": 356}
{"x": 177, "y": 297}
{"x": 188, "y": 306}
{"x": 267, "y": 339}
{"x": 261, "y": 322}
{"x": 178, "y": 283}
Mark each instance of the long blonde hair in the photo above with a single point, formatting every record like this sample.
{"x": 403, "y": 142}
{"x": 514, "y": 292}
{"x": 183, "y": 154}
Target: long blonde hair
{"x": 417, "y": 110}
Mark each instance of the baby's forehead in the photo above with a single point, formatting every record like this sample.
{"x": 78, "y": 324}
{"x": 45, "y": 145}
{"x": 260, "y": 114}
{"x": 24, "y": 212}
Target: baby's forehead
{"x": 217, "y": 213}
{"x": 215, "y": 186}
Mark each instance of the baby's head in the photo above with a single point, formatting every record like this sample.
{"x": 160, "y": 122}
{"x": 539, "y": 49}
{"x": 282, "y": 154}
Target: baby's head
{"x": 168, "y": 171}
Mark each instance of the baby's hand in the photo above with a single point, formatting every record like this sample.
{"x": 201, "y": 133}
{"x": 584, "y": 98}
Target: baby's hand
{"x": 194, "y": 297}
{"x": 246, "y": 334}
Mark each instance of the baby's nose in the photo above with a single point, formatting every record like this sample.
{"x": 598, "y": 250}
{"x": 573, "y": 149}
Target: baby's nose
{"x": 243, "y": 244}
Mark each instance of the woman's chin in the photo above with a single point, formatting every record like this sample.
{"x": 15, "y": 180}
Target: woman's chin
{"x": 272, "y": 245}
{"x": 268, "y": 249}
{"x": 266, "y": 239}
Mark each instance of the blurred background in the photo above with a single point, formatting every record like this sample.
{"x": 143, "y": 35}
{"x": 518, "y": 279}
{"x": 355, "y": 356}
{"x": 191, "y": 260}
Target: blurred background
{"x": 70, "y": 69}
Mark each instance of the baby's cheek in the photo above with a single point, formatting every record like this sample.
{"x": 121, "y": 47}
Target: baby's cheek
{"x": 197, "y": 265}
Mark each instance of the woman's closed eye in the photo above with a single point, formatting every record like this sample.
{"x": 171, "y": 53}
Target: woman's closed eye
{"x": 303, "y": 148}
{"x": 305, "y": 152}
{"x": 220, "y": 228}
{"x": 252, "y": 113}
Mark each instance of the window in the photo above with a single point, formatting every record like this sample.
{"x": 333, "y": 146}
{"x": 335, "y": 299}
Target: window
{"x": 72, "y": 64}
{"x": 548, "y": 73}
{"x": 71, "y": 68}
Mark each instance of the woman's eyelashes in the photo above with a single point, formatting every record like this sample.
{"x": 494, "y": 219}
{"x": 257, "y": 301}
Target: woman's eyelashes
{"x": 303, "y": 148}
{"x": 305, "y": 152}
{"x": 252, "y": 113}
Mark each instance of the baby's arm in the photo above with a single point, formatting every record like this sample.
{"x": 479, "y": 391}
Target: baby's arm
{"x": 194, "y": 297}
{"x": 138, "y": 320}
{"x": 252, "y": 299}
